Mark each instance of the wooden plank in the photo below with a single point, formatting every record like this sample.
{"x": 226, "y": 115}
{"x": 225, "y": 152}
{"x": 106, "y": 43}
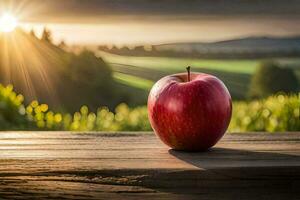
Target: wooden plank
{"x": 56, "y": 165}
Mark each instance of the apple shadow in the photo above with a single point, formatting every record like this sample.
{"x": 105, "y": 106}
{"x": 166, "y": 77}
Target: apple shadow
{"x": 226, "y": 158}
{"x": 231, "y": 174}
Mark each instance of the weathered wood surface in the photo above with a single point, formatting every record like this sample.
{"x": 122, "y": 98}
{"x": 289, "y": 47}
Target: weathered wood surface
{"x": 61, "y": 165}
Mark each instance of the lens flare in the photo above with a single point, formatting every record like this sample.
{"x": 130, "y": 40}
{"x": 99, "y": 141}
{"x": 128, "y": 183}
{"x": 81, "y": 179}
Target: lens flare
{"x": 8, "y": 23}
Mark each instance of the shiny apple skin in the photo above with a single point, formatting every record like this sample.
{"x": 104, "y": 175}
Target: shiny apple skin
{"x": 189, "y": 115}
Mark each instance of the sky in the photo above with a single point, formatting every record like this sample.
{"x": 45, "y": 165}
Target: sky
{"x": 156, "y": 21}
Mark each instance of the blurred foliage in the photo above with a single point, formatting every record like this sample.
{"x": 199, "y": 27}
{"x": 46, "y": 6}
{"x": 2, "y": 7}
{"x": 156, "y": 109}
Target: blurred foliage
{"x": 81, "y": 75}
{"x": 123, "y": 119}
{"x": 15, "y": 116}
{"x": 276, "y": 113}
{"x": 12, "y": 110}
{"x": 270, "y": 78}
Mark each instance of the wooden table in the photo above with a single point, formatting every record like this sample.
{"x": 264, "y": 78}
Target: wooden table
{"x": 63, "y": 165}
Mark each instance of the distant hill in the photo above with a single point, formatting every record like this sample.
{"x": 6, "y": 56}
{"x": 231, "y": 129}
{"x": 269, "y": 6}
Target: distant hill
{"x": 240, "y": 45}
{"x": 240, "y": 48}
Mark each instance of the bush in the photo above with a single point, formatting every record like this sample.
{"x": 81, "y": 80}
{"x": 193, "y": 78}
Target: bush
{"x": 270, "y": 79}
{"x": 276, "y": 113}
{"x": 14, "y": 115}
{"x": 12, "y": 111}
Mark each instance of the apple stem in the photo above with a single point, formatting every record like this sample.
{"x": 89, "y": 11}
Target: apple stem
{"x": 189, "y": 73}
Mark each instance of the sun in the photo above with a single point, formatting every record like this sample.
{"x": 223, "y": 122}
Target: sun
{"x": 8, "y": 23}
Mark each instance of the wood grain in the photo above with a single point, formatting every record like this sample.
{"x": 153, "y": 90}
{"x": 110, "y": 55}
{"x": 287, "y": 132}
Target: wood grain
{"x": 64, "y": 165}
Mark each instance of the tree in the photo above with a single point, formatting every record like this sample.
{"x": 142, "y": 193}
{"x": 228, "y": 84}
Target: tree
{"x": 62, "y": 45}
{"x": 47, "y": 35}
{"x": 270, "y": 78}
{"x": 86, "y": 79}
{"x": 32, "y": 33}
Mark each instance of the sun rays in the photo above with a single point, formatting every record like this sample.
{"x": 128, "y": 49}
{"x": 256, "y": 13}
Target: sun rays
{"x": 27, "y": 62}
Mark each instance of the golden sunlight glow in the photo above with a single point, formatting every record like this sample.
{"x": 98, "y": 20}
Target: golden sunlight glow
{"x": 27, "y": 60}
{"x": 8, "y": 23}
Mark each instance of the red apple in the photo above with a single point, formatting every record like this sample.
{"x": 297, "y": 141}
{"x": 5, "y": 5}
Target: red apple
{"x": 189, "y": 111}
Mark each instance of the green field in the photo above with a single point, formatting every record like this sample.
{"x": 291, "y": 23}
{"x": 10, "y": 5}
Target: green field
{"x": 236, "y": 74}
{"x": 133, "y": 81}
{"x": 179, "y": 64}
